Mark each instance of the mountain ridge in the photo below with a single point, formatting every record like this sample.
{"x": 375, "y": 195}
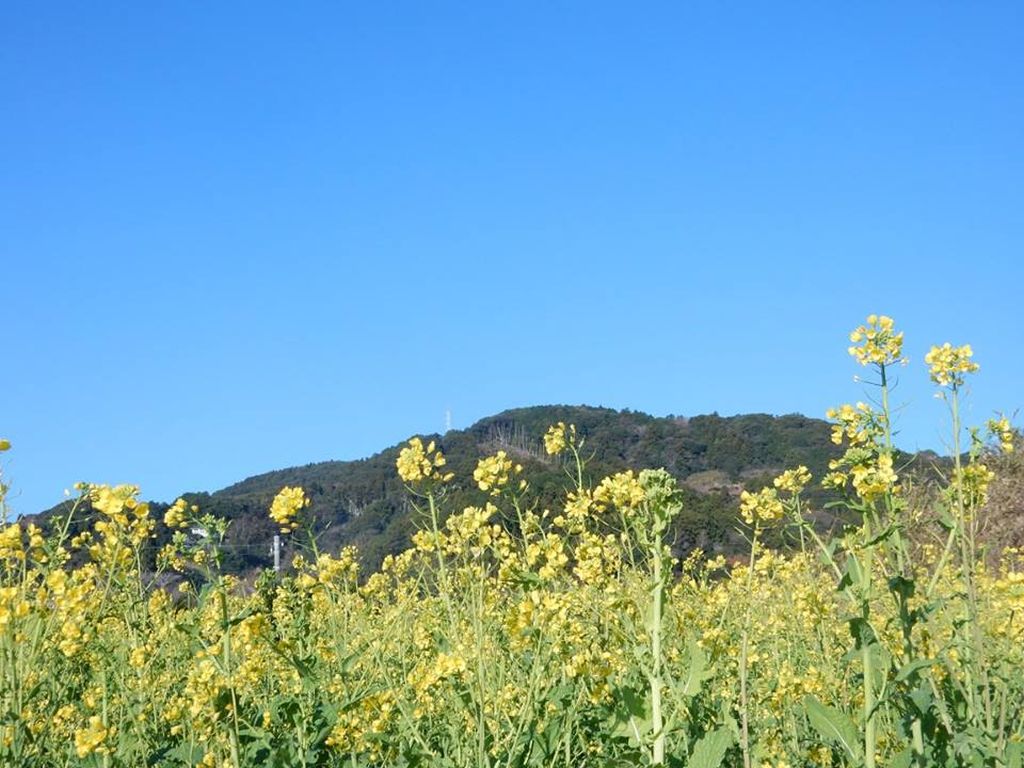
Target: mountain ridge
{"x": 363, "y": 502}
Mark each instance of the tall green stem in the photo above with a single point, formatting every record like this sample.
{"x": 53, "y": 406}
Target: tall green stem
{"x": 870, "y": 737}
{"x": 744, "y": 717}
{"x": 442, "y": 568}
{"x": 657, "y": 608}
{"x": 902, "y": 557}
{"x": 226, "y": 628}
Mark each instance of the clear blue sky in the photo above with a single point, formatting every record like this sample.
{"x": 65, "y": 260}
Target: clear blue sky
{"x": 241, "y": 236}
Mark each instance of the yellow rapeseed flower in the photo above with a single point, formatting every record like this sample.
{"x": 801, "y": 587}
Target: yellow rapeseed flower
{"x": 793, "y": 480}
{"x": 948, "y": 364}
{"x": 91, "y": 738}
{"x": 835, "y": 479}
{"x": 416, "y": 463}
{"x": 857, "y": 423}
{"x": 761, "y": 507}
{"x": 286, "y": 506}
{"x": 470, "y": 529}
{"x": 974, "y": 480}
{"x": 11, "y": 542}
{"x": 174, "y": 517}
{"x": 876, "y": 343}
{"x": 622, "y": 490}
{"x": 556, "y": 438}
{"x": 138, "y": 657}
{"x": 113, "y": 501}
{"x": 493, "y": 472}
{"x": 577, "y": 508}
{"x": 1002, "y": 431}
{"x": 872, "y": 480}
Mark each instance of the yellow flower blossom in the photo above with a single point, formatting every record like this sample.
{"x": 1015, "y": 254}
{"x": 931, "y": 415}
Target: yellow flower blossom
{"x": 11, "y": 542}
{"x": 493, "y": 472}
{"x": 793, "y": 480}
{"x": 470, "y": 530}
{"x": 973, "y": 480}
{"x": 175, "y": 516}
{"x": 557, "y": 438}
{"x": 138, "y": 657}
{"x": 872, "y": 480}
{"x": 91, "y": 738}
{"x": 857, "y": 423}
{"x": 835, "y": 480}
{"x": 761, "y": 507}
{"x": 622, "y": 490}
{"x": 340, "y": 570}
{"x": 1003, "y": 432}
{"x": 948, "y": 364}
{"x": 578, "y": 505}
{"x": 286, "y": 506}
{"x": 113, "y": 501}
{"x": 416, "y": 463}
{"x": 876, "y": 343}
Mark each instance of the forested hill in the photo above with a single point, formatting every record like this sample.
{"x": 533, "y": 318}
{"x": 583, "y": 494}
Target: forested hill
{"x": 363, "y": 502}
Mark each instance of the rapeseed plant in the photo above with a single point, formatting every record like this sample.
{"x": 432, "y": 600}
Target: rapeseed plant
{"x": 574, "y": 638}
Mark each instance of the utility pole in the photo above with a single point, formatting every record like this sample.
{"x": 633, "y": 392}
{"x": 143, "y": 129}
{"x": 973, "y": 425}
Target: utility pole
{"x": 277, "y": 553}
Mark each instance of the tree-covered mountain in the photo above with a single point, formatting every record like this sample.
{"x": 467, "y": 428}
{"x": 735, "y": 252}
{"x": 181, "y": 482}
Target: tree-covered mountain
{"x": 364, "y": 502}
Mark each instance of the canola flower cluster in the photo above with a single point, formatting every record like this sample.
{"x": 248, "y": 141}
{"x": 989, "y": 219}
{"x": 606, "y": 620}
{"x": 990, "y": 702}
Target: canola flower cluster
{"x": 177, "y": 515}
{"x": 417, "y": 463}
{"x": 761, "y": 507}
{"x": 877, "y": 342}
{"x": 537, "y": 644}
{"x": 1002, "y": 431}
{"x": 793, "y": 480}
{"x": 622, "y": 491}
{"x": 493, "y": 473}
{"x": 558, "y": 438}
{"x": 870, "y": 473}
{"x": 948, "y": 364}
{"x": 855, "y": 423}
{"x": 287, "y": 506}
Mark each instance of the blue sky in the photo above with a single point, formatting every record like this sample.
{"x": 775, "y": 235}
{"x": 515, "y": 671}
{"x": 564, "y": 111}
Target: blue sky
{"x": 241, "y": 236}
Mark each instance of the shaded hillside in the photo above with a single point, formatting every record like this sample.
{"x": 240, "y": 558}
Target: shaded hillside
{"x": 364, "y": 503}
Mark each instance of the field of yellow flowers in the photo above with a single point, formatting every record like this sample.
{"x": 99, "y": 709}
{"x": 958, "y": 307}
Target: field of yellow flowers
{"x": 575, "y": 637}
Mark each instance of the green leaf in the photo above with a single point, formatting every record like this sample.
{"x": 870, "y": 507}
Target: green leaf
{"x": 631, "y": 718}
{"x": 1015, "y": 755}
{"x": 853, "y": 576}
{"x": 862, "y": 632}
{"x": 639, "y": 709}
{"x": 710, "y": 751}
{"x": 903, "y": 587}
{"x": 698, "y": 671}
{"x": 911, "y": 667}
{"x": 889, "y": 531}
{"x": 903, "y": 759}
{"x": 922, "y": 698}
{"x": 834, "y": 726}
